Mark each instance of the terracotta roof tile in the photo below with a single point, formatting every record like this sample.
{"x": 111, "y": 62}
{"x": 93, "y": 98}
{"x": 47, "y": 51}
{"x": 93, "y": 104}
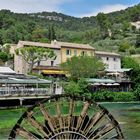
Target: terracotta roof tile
{"x": 106, "y": 53}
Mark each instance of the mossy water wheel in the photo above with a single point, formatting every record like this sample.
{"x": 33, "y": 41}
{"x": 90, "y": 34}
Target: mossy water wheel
{"x": 66, "y": 117}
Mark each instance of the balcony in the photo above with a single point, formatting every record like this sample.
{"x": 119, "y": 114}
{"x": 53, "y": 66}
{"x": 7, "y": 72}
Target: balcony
{"x": 24, "y": 91}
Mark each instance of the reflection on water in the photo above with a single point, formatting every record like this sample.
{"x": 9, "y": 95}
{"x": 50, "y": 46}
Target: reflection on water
{"x": 128, "y": 115}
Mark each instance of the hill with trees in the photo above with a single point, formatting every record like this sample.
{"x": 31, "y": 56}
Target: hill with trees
{"x": 112, "y": 32}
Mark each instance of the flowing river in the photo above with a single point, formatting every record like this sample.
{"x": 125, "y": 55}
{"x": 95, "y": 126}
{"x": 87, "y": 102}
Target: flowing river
{"x": 127, "y": 114}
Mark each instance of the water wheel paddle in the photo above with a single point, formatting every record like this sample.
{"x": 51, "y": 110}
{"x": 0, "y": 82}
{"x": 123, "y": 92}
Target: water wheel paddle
{"x": 66, "y": 117}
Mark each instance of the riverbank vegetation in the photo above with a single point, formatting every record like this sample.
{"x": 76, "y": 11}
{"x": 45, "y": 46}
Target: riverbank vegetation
{"x": 131, "y": 62}
{"x": 84, "y": 89}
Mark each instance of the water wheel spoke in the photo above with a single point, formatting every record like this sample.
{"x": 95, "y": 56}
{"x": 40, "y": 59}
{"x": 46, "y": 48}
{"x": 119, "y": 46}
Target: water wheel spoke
{"x": 94, "y": 120}
{"x": 119, "y": 132}
{"x": 47, "y": 117}
{"x": 70, "y": 116}
{"x": 36, "y": 124}
{"x": 71, "y": 107}
{"x": 117, "y": 137}
{"x": 24, "y": 133}
{"x": 82, "y": 115}
{"x": 103, "y": 130}
{"x": 59, "y": 114}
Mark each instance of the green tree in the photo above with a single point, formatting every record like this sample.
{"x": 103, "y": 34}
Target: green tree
{"x": 5, "y": 53}
{"x": 137, "y": 92}
{"x": 82, "y": 67}
{"x": 129, "y": 62}
{"x": 124, "y": 47}
{"x": 10, "y": 35}
{"x": 104, "y": 24}
{"x": 3, "y": 56}
{"x": 38, "y": 34}
{"x": 33, "y": 55}
{"x": 51, "y": 33}
{"x": 126, "y": 26}
{"x": 138, "y": 39}
{"x": 6, "y": 48}
{"x": 81, "y": 87}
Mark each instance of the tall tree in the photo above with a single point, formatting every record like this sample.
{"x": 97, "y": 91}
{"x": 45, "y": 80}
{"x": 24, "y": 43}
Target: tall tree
{"x": 51, "y": 33}
{"x": 138, "y": 39}
{"x": 3, "y": 57}
{"x": 104, "y": 24}
{"x": 129, "y": 62}
{"x": 5, "y": 53}
{"x": 82, "y": 67}
{"x": 124, "y": 46}
{"x": 33, "y": 55}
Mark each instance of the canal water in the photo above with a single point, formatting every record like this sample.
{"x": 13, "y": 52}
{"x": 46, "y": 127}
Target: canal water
{"x": 127, "y": 114}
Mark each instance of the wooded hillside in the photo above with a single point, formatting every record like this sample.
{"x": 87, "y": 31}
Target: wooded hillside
{"x": 111, "y": 31}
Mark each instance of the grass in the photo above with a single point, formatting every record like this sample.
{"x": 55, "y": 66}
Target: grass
{"x": 9, "y": 117}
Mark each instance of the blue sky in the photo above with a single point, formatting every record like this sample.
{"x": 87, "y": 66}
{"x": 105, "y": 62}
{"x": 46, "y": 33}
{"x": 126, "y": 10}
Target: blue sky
{"x": 78, "y": 8}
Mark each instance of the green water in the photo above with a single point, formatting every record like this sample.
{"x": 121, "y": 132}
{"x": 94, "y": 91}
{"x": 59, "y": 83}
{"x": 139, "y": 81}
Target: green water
{"x": 128, "y": 115}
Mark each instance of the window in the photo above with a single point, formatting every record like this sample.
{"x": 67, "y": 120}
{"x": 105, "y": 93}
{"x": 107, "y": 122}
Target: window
{"x": 83, "y": 53}
{"x": 52, "y": 63}
{"x": 38, "y": 63}
{"x": 68, "y": 52}
{"x": 75, "y": 52}
{"x": 114, "y": 59}
{"x": 107, "y": 58}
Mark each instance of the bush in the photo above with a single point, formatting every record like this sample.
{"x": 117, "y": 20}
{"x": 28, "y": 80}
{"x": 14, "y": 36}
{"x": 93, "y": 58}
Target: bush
{"x": 109, "y": 96}
{"x": 137, "y": 92}
{"x": 132, "y": 50}
{"x": 72, "y": 88}
{"x": 124, "y": 96}
{"x": 138, "y": 50}
{"x": 79, "y": 88}
{"x": 103, "y": 95}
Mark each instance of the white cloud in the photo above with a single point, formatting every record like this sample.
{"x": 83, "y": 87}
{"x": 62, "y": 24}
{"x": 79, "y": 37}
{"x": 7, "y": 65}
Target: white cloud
{"x": 28, "y": 6}
{"x": 106, "y": 9}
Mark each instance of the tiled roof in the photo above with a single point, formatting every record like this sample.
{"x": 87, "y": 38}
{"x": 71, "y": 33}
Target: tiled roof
{"x": 106, "y": 53}
{"x": 57, "y": 45}
{"x": 30, "y": 43}
{"x": 75, "y": 45}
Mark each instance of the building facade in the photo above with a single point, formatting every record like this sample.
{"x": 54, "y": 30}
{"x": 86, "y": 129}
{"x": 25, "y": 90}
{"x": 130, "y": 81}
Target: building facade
{"x": 20, "y": 66}
{"x": 63, "y": 51}
{"x": 69, "y": 50}
{"x": 136, "y": 24}
{"x": 111, "y": 60}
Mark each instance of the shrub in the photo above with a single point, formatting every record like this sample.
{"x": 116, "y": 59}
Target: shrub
{"x": 103, "y": 95}
{"x": 79, "y": 88}
{"x": 72, "y": 88}
{"x": 106, "y": 95}
{"x": 137, "y": 92}
{"x": 124, "y": 96}
{"x": 132, "y": 50}
{"x": 138, "y": 50}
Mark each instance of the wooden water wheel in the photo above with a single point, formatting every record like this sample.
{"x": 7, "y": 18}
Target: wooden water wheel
{"x": 66, "y": 117}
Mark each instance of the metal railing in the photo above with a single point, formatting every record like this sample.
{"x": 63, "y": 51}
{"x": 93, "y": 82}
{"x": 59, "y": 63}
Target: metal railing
{"x": 24, "y": 91}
